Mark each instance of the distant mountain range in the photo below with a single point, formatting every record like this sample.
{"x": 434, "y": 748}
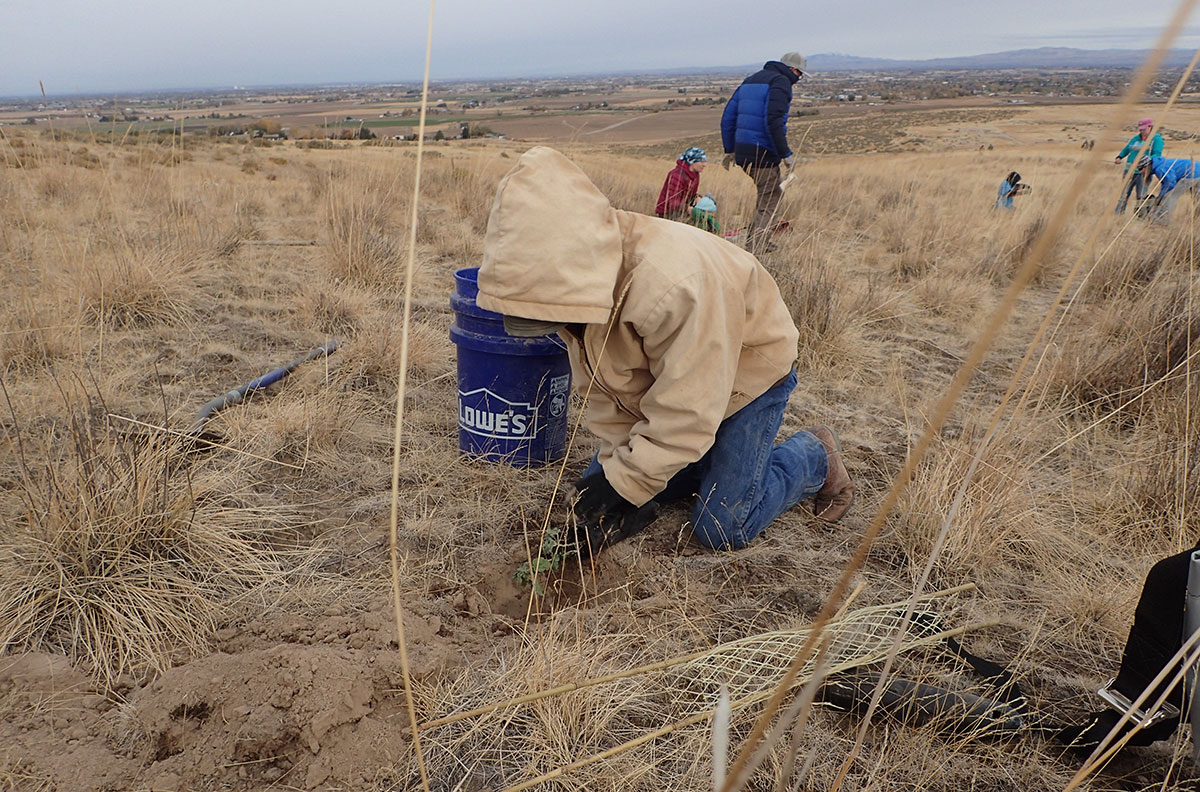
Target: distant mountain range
{"x": 1040, "y": 58}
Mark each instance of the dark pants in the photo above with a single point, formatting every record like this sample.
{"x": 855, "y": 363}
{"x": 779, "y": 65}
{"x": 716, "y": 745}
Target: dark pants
{"x": 1157, "y": 631}
{"x": 1135, "y": 183}
{"x": 766, "y": 204}
{"x": 1154, "y": 638}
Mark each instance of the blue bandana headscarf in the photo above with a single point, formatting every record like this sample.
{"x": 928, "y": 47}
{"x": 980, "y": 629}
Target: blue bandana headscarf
{"x": 693, "y": 155}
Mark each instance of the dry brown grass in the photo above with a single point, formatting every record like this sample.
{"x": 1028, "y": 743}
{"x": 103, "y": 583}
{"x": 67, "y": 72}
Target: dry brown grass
{"x": 1139, "y": 340}
{"x": 140, "y": 288}
{"x": 828, "y": 317}
{"x": 16, "y": 774}
{"x": 131, "y": 261}
{"x": 36, "y": 332}
{"x": 123, "y": 558}
{"x": 363, "y": 236}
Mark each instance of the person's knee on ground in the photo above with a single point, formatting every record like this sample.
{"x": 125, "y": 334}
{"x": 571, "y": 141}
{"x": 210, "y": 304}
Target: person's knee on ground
{"x": 809, "y": 464}
{"x": 715, "y": 536}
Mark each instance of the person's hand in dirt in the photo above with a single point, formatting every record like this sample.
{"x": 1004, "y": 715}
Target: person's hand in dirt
{"x": 603, "y": 517}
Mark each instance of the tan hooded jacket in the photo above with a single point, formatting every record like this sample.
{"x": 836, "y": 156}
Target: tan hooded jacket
{"x": 683, "y": 329}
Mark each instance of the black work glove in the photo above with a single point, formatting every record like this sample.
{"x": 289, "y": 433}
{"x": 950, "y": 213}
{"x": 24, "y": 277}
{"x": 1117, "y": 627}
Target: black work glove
{"x": 603, "y": 517}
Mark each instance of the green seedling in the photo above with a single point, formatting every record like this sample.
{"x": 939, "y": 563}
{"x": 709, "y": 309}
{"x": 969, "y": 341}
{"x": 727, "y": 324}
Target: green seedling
{"x": 551, "y": 557}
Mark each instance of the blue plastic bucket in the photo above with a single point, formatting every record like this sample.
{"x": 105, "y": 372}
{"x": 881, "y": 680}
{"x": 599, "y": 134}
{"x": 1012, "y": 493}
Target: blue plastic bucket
{"x": 512, "y": 392}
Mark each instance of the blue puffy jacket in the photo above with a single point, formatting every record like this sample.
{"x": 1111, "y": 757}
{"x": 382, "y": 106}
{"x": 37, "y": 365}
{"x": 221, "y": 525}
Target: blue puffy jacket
{"x": 1170, "y": 171}
{"x": 754, "y": 124}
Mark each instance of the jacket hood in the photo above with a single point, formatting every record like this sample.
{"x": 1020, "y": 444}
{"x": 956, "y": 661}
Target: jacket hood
{"x": 553, "y": 247}
{"x": 783, "y": 69}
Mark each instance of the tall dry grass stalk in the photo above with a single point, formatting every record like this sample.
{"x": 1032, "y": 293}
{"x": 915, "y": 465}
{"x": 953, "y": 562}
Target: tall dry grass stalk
{"x": 363, "y": 238}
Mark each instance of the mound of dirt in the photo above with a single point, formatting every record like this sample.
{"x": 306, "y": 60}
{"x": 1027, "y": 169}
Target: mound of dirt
{"x": 53, "y": 726}
{"x": 300, "y": 712}
{"x": 299, "y": 703}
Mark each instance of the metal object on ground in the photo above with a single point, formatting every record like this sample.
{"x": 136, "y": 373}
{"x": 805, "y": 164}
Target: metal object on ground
{"x": 237, "y": 395}
{"x": 1120, "y": 703}
{"x": 920, "y": 704}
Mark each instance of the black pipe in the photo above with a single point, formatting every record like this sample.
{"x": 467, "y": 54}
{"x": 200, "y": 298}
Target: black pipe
{"x": 919, "y": 704}
{"x": 237, "y": 395}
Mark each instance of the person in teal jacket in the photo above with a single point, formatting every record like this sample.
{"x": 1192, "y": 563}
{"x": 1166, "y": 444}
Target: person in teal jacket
{"x": 704, "y": 214}
{"x": 1140, "y": 145}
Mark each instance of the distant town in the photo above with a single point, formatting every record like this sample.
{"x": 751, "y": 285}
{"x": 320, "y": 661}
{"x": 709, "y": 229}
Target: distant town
{"x": 512, "y": 108}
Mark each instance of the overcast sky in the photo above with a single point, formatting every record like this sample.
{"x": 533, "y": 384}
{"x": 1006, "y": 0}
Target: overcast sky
{"x": 122, "y": 45}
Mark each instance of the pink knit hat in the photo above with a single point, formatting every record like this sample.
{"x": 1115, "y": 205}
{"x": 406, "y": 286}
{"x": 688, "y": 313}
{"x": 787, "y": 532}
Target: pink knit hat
{"x": 1146, "y": 123}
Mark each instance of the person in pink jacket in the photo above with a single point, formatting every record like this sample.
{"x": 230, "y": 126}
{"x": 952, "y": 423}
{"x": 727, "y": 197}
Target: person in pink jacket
{"x": 684, "y": 347}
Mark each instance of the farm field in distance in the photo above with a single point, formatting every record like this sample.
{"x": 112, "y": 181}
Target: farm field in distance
{"x": 179, "y": 618}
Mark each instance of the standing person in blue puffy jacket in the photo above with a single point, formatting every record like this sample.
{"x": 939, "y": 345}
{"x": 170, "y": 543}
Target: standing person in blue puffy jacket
{"x": 754, "y": 134}
{"x": 1177, "y": 176}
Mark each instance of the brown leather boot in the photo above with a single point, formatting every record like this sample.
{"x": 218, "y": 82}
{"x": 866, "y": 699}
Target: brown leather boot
{"x": 837, "y": 495}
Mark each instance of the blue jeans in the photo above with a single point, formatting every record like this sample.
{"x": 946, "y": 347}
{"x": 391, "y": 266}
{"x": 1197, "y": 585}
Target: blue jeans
{"x": 745, "y": 481}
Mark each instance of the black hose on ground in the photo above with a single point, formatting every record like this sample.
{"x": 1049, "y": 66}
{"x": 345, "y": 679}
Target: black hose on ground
{"x": 920, "y": 704}
{"x": 237, "y": 395}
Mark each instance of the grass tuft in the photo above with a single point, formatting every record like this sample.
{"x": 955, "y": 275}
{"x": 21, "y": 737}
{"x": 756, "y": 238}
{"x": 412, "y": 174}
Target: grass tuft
{"x": 140, "y": 287}
{"x": 363, "y": 238}
{"x": 120, "y": 558}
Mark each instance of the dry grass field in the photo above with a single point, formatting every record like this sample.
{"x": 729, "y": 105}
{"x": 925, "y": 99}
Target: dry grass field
{"x": 176, "y": 618}
{"x": 527, "y": 111}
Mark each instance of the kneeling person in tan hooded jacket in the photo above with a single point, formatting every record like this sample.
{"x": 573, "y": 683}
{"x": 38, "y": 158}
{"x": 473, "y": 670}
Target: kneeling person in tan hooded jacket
{"x": 691, "y": 348}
